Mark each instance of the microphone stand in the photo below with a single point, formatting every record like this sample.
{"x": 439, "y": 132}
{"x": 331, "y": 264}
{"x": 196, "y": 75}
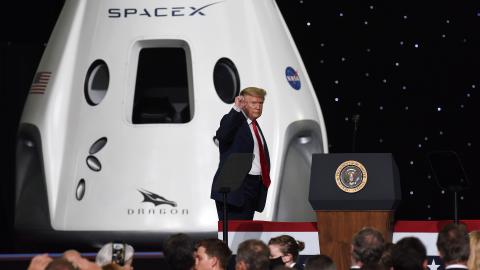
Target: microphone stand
{"x": 355, "y": 119}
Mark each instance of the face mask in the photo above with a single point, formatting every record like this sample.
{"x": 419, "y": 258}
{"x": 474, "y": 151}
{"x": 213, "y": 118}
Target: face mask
{"x": 276, "y": 262}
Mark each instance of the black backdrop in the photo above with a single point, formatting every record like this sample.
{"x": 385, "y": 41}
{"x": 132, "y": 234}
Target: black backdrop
{"x": 409, "y": 70}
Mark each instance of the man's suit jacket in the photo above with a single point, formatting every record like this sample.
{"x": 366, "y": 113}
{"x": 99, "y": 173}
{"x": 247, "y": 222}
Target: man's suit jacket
{"x": 234, "y": 136}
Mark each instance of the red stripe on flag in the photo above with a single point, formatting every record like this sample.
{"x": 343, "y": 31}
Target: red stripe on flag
{"x": 268, "y": 226}
{"x": 431, "y": 226}
{"x": 419, "y": 226}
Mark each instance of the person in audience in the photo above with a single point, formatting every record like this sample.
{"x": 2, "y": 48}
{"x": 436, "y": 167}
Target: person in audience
{"x": 211, "y": 254}
{"x": 320, "y": 262}
{"x": 474, "y": 258}
{"x": 409, "y": 254}
{"x": 179, "y": 251}
{"x": 252, "y": 255}
{"x": 123, "y": 256}
{"x": 386, "y": 259}
{"x": 453, "y": 246}
{"x": 284, "y": 250}
{"x": 60, "y": 264}
{"x": 367, "y": 248}
{"x": 39, "y": 262}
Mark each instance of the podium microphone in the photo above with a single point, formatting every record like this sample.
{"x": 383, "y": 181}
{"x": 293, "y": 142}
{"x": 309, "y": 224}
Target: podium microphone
{"x": 355, "y": 119}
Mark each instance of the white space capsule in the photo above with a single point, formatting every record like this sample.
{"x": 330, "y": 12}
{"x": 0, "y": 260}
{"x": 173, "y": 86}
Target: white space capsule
{"x": 116, "y": 133}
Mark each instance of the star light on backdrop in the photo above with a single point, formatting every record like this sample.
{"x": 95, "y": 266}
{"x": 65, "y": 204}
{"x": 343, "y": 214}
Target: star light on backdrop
{"x": 411, "y": 72}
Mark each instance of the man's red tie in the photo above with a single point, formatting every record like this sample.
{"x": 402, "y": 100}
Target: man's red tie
{"x": 263, "y": 159}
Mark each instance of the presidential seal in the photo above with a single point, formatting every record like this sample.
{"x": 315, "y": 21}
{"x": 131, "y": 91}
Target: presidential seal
{"x": 351, "y": 176}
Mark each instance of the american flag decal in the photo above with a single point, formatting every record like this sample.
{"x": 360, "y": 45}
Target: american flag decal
{"x": 40, "y": 82}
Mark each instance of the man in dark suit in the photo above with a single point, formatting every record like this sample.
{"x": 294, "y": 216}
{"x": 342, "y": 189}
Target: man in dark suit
{"x": 453, "y": 244}
{"x": 239, "y": 132}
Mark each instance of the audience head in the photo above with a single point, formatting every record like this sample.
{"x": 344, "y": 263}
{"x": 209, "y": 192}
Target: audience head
{"x": 320, "y": 262}
{"x": 179, "y": 252}
{"x": 252, "y": 255}
{"x": 453, "y": 244}
{"x": 211, "y": 254}
{"x": 117, "y": 253}
{"x": 367, "y": 247}
{"x": 112, "y": 266}
{"x": 474, "y": 259}
{"x": 284, "y": 250}
{"x": 286, "y": 247}
{"x": 409, "y": 254}
{"x": 60, "y": 264}
{"x": 386, "y": 259}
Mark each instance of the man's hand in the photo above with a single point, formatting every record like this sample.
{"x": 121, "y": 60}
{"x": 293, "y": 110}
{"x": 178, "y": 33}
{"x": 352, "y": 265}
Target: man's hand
{"x": 39, "y": 262}
{"x": 240, "y": 102}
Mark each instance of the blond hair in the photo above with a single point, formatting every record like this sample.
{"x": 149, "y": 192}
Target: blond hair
{"x": 474, "y": 259}
{"x": 254, "y": 91}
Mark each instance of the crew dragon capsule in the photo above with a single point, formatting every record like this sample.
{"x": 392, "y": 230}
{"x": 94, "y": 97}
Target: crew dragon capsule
{"x": 116, "y": 134}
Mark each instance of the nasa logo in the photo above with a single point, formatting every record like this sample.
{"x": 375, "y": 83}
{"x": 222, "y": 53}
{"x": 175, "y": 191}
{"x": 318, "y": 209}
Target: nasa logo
{"x": 158, "y": 11}
{"x": 293, "y": 78}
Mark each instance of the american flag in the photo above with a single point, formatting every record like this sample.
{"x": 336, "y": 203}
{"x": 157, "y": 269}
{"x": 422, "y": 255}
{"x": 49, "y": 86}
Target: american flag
{"x": 40, "y": 82}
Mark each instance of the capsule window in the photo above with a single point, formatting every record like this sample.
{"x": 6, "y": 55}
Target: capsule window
{"x": 162, "y": 87}
{"x": 96, "y": 82}
{"x": 226, "y": 80}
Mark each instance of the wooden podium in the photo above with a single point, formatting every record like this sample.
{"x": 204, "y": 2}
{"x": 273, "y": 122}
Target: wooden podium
{"x": 351, "y": 191}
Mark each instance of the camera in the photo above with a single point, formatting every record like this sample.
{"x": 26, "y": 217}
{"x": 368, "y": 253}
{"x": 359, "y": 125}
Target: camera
{"x": 118, "y": 253}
